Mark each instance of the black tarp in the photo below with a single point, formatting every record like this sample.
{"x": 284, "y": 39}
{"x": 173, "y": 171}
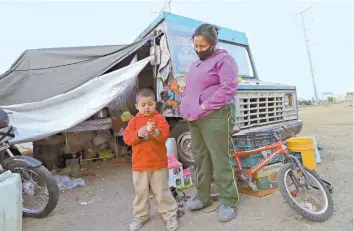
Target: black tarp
{"x": 39, "y": 74}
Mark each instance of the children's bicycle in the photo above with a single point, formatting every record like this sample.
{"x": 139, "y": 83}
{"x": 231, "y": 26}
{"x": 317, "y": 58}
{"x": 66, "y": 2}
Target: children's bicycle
{"x": 302, "y": 189}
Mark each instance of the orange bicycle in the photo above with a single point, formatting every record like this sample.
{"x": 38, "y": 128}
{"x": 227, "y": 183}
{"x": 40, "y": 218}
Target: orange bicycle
{"x": 302, "y": 189}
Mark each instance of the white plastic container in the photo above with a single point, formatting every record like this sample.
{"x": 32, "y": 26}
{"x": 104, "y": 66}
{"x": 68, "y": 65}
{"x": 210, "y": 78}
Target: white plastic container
{"x": 171, "y": 146}
{"x": 10, "y": 202}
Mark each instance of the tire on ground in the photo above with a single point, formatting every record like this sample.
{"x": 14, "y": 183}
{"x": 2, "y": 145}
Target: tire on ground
{"x": 181, "y": 133}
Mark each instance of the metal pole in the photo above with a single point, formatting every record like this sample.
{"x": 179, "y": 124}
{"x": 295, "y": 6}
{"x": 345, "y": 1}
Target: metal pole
{"x": 168, "y": 5}
{"x": 309, "y": 54}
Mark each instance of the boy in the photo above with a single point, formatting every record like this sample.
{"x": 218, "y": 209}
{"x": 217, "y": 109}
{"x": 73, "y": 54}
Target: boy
{"x": 147, "y": 133}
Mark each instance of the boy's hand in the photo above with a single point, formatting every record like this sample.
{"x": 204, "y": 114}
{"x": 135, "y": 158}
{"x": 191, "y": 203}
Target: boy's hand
{"x": 156, "y": 133}
{"x": 150, "y": 127}
{"x": 142, "y": 132}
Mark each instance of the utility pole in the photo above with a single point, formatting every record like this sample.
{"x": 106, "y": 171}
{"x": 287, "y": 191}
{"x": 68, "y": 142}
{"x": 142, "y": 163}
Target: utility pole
{"x": 168, "y": 5}
{"x": 308, "y": 52}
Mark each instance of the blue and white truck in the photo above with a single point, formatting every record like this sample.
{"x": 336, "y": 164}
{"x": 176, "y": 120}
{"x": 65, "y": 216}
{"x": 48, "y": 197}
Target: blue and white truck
{"x": 260, "y": 105}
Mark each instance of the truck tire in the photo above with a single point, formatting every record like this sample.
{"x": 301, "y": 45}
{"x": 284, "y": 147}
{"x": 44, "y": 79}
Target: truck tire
{"x": 184, "y": 143}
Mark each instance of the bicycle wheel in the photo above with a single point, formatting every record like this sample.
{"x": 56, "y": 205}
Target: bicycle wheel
{"x": 293, "y": 188}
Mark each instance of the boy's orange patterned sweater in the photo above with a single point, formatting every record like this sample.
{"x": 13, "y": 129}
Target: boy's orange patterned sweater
{"x": 148, "y": 154}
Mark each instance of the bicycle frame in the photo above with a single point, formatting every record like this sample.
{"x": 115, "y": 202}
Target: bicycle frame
{"x": 279, "y": 147}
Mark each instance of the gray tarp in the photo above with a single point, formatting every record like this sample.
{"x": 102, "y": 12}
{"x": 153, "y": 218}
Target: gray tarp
{"x": 38, "y": 120}
{"x": 40, "y": 74}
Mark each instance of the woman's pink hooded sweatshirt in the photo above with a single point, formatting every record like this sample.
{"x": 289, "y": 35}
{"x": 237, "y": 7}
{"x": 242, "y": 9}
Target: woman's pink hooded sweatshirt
{"x": 213, "y": 82}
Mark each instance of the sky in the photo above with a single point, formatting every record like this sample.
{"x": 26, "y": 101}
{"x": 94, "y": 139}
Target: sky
{"x": 276, "y": 41}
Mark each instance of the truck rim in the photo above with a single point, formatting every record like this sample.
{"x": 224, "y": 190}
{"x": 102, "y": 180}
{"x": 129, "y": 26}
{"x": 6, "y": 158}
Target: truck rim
{"x": 185, "y": 146}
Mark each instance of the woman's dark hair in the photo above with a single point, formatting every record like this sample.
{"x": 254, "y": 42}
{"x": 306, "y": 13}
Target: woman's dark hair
{"x": 208, "y": 31}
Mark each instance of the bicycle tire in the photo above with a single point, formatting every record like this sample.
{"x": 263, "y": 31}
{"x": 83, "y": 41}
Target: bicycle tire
{"x": 293, "y": 205}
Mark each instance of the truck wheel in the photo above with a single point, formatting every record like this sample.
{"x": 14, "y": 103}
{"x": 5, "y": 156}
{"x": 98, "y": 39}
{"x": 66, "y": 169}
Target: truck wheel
{"x": 184, "y": 143}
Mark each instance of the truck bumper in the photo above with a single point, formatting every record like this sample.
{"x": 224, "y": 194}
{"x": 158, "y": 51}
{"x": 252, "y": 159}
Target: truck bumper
{"x": 294, "y": 126}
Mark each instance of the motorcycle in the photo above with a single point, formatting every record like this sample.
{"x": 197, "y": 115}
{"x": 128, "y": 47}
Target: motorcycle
{"x": 40, "y": 191}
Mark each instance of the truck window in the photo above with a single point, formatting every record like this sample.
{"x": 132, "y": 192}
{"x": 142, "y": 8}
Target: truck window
{"x": 240, "y": 54}
{"x": 184, "y": 55}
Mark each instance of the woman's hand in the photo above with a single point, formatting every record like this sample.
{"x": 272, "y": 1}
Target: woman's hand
{"x": 202, "y": 106}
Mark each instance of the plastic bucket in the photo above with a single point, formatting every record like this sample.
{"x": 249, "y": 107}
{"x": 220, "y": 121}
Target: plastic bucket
{"x": 305, "y": 146}
{"x": 300, "y": 140}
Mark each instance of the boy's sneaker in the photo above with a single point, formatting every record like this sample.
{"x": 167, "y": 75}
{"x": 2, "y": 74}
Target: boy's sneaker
{"x": 136, "y": 224}
{"x": 172, "y": 224}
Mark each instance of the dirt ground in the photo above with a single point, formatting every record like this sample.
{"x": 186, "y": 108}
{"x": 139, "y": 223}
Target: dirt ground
{"x": 110, "y": 191}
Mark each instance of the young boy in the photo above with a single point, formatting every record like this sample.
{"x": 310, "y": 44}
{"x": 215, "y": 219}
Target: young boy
{"x": 147, "y": 133}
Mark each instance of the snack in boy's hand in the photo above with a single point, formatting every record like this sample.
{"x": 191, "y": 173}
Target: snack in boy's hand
{"x": 150, "y": 126}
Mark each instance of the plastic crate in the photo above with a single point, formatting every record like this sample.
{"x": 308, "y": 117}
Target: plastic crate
{"x": 251, "y": 141}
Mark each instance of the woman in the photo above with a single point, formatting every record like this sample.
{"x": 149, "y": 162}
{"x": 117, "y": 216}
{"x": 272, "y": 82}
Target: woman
{"x": 207, "y": 105}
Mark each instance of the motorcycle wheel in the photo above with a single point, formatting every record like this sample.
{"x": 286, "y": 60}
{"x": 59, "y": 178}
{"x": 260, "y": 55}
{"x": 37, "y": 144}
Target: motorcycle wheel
{"x": 35, "y": 181}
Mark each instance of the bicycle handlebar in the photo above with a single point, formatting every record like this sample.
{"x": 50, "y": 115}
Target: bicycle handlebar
{"x": 291, "y": 133}
{"x": 276, "y": 135}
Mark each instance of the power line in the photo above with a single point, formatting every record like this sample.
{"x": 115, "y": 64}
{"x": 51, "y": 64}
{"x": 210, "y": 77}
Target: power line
{"x": 301, "y": 13}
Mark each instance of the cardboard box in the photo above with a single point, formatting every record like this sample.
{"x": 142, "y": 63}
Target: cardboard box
{"x": 268, "y": 171}
{"x": 265, "y": 183}
{"x": 265, "y": 180}
{"x": 260, "y": 193}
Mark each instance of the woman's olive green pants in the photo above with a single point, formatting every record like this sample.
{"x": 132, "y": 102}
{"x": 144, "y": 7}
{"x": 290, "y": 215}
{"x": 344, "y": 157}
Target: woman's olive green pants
{"x": 212, "y": 148}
